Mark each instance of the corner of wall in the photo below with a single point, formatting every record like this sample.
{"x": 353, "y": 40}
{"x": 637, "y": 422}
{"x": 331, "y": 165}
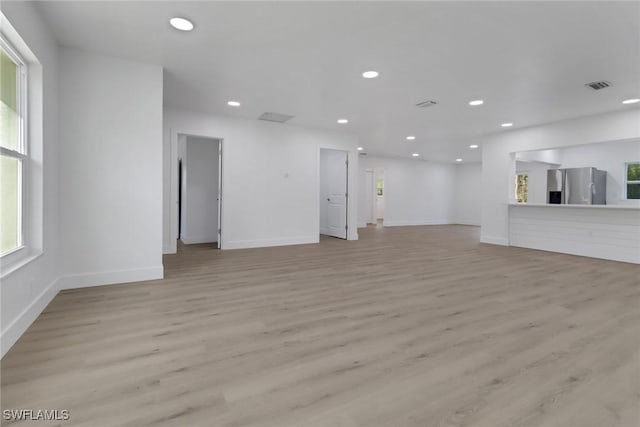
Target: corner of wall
{"x": 21, "y": 323}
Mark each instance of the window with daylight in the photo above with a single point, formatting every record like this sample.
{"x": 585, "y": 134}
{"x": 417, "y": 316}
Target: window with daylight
{"x": 380, "y": 187}
{"x": 633, "y": 180}
{"x": 522, "y": 188}
{"x": 14, "y": 158}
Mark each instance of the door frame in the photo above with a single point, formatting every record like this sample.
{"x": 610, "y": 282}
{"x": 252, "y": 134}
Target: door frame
{"x": 370, "y": 185}
{"x": 173, "y": 187}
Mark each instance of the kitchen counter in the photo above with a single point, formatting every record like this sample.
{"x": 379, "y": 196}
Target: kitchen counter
{"x": 546, "y": 205}
{"x": 600, "y": 231}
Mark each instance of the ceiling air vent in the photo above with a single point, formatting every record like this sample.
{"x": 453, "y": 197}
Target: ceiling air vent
{"x": 426, "y": 104}
{"x": 598, "y": 85}
{"x": 275, "y": 117}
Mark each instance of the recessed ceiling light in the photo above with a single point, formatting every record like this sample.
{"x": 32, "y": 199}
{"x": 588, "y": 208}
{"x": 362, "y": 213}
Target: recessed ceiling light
{"x": 343, "y": 121}
{"x": 411, "y": 138}
{"x": 370, "y": 74}
{"x": 506, "y": 125}
{"x": 631, "y": 101}
{"x": 476, "y": 102}
{"x": 360, "y": 148}
{"x": 233, "y": 103}
{"x": 473, "y": 146}
{"x": 181, "y": 24}
{"x": 415, "y": 154}
{"x": 458, "y": 160}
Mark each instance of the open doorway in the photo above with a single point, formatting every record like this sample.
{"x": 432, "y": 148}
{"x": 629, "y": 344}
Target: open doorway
{"x": 334, "y": 172}
{"x": 369, "y": 197}
{"x": 379, "y": 199}
{"x": 199, "y": 190}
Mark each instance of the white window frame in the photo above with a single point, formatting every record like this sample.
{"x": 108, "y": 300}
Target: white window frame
{"x": 21, "y": 153}
{"x": 626, "y": 174}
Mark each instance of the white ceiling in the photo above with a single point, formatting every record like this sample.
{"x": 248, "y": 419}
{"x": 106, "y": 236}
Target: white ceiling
{"x": 528, "y": 61}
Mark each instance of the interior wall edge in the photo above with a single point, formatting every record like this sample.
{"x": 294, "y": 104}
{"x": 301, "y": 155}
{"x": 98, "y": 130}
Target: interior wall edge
{"x": 19, "y": 325}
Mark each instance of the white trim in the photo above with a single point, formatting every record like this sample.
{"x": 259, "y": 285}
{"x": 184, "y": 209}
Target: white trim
{"x": 22, "y": 259}
{"x": 88, "y": 280}
{"x": 362, "y": 224}
{"x": 173, "y": 185}
{"x": 493, "y": 240}
{"x": 30, "y": 150}
{"x": 263, "y": 243}
{"x": 191, "y": 240}
{"x": 466, "y": 222}
{"x": 403, "y": 223}
{"x": 21, "y": 152}
{"x": 21, "y": 323}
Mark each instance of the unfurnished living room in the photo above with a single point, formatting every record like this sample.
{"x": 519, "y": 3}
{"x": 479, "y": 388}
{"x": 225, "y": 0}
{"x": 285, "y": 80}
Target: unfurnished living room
{"x": 320, "y": 214}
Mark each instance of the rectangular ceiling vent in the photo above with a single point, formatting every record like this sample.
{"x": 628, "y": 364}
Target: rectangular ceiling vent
{"x": 426, "y": 104}
{"x": 598, "y": 85}
{"x": 275, "y": 117}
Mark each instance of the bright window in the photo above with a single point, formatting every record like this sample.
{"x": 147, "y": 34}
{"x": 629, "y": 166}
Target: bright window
{"x": 380, "y": 187}
{"x": 633, "y": 180}
{"x": 522, "y": 188}
{"x": 13, "y": 148}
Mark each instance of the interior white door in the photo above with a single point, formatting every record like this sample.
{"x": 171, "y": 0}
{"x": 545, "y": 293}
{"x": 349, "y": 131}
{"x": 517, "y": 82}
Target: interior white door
{"x": 337, "y": 184}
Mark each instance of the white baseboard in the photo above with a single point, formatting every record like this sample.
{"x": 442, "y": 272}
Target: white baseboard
{"x": 21, "y": 323}
{"x": 466, "y": 222}
{"x": 362, "y": 224}
{"x": 263, "y": 243}
{"x": 192, "y": 240}
{"x": 75, "y": 281}
{"x": 403, "y": 223}
{"x": 169, "y": 249}
{"x": 493, "y": 240}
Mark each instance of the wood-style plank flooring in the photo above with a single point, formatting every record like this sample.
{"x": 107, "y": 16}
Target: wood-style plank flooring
{"x": 409, "y": 326}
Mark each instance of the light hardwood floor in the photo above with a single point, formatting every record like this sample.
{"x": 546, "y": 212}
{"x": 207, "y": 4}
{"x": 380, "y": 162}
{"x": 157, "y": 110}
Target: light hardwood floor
{"x": 409, "y": 326}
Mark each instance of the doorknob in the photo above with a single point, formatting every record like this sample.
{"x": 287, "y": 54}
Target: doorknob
{"x": 328, "y": 199}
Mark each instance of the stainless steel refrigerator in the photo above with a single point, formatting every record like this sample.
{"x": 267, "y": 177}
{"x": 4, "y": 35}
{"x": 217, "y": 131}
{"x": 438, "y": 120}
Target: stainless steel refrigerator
{"x": 577, "y": 186}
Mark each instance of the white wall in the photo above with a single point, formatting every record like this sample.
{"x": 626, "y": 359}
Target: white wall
{"x": 498, "y": 160}
{"x": 467, "y": 194}
{"x": 110, "y": 169}
{"x": 416, "y": 192}
{"x": 200, "y": 200}
{"x": 270, "y": 178}
{"x": 27, "y": 291}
